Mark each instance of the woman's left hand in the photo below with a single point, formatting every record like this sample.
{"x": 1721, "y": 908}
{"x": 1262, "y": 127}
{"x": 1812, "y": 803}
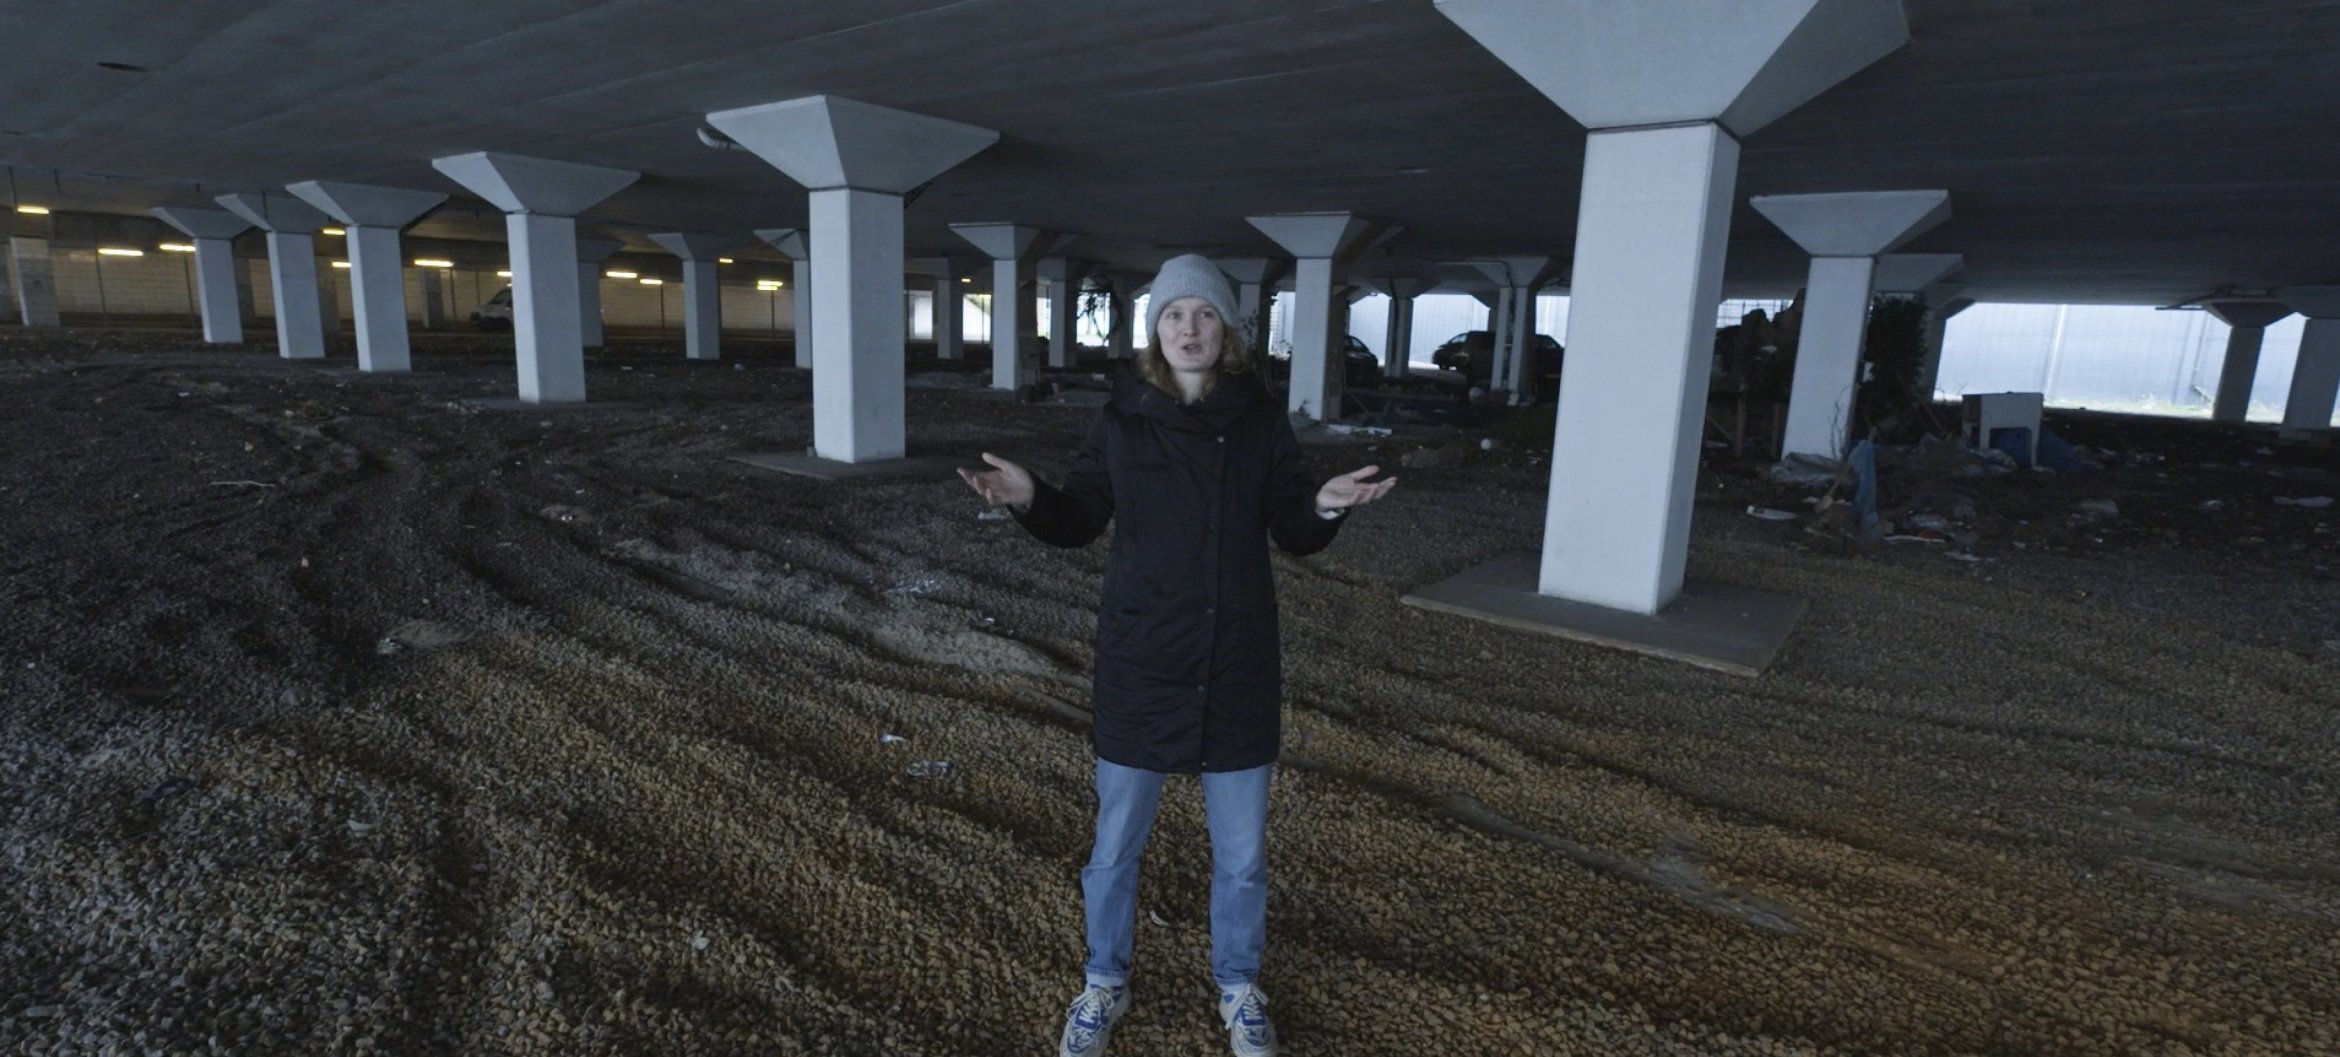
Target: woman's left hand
{"x": 1350, "y": 489}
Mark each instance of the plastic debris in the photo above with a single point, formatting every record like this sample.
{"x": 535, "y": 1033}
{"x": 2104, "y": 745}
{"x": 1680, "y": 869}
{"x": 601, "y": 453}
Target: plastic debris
{"x": 892, "y": 739}
{"x": 929, "y": 769}
{"x": 924, "y": 585}
{"x": 1487, "y": 444}
{"x": 2213, "y": 504}
{"x": 1962, "y": 556}
{"x": 698, "y": 941}
{"x": 359, "y": 829}
{"x": 1157, "y": 919}
{"x": 994, "y": 513}
{"x": 1915, "y": 539}
{"x": 1347, "y": 430}
{"x": 1809, "y": 471}
{"x": 1768, "y": 514}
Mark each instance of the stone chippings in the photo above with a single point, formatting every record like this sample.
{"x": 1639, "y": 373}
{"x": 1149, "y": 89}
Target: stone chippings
{"x": 371, "y": 750}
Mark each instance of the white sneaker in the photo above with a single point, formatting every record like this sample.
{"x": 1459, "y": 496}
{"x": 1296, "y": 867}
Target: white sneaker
{"x": 1244, "y": 1011}
{"x": 1090, "y": 1021}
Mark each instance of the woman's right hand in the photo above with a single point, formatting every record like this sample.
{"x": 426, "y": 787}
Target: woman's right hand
{"x": 1005, "y": 484}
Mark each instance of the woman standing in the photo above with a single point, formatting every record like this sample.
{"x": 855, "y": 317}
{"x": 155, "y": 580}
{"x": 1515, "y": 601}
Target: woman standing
{"x": 1196, "y": 466}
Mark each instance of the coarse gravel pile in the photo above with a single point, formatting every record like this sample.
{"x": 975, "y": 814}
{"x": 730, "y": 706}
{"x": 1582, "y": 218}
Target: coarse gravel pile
{"x": 339, "y": 717}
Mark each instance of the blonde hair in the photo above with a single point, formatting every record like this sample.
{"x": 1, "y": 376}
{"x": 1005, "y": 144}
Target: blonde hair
{"x": 1234, "y": 359}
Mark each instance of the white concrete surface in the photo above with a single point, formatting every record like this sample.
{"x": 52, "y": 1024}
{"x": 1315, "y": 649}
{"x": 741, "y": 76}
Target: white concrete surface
{"x": 1624, "y": 65}
{"x": 1064, "y": 275}
{"x": 1647, "y": 272}
{"x": 34, "y": 280}
{"x": 541, "y": 199}
{"x": 292, "y": 269}
{"x": 1828, "y": 356}
{"x": 792, "y": 244}
{"x": 1319, "y": 244}
{"x": 2248, "y": 321}
{"x": 590, "y": 255}
{"x": 214, "y": 233}
{"x": 1014, "y": 301}
{"x": 702, "y": 289}
{"x": 372, "y": 218}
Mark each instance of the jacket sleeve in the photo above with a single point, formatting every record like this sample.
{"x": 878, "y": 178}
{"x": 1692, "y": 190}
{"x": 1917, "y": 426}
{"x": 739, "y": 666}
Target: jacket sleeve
{"x": 1292, "y": 517}
{"x": 1077, "y": 513}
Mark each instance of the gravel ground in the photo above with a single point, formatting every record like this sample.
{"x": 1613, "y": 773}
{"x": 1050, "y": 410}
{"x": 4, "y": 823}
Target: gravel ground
{"x": 336, "y": 718}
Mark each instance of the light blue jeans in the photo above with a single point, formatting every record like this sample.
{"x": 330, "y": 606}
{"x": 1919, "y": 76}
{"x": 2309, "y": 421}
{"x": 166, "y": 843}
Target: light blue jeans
{"x": 1235, "y": 803}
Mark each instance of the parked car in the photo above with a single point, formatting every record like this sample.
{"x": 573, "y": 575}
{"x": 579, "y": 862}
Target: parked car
{"x": 496, "y": 314}
{"x": 1363, "y": 369}
{"x": 1472, "y": 353}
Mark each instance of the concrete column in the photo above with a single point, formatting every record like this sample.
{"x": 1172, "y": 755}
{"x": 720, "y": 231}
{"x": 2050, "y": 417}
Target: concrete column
{"x": 372, "y": 218}
{"x": 2315, "y": 377}
{"x": 328, "y": 298}
{"x": 8, "y": 309}
{"x": 1011, "y": 248}
{"x": 2249, "y": 320}
{"x": 793, "y": 245}
{"x": 949, "y": 300}
{"x": 1844, "y": 233}
{"x": 702, "y": 296}
{"x": 1523, "y": 328}
{"x": 859, "y": 160}
{"x": 1652, "y": 222}
{"x": 1118, "y": 344}
{"x": 292, "y": 268}
{"x": 1942, "y": 302}
{"x": 1255, "y": 281}
{"x": 1320, "y": 244}
{"x": 431, "y": 284}
{"x": 1064, "y": 276}
{"x": 213, "y": 233}
{"x": 1499, "y": 338}
{"x": 35, "y": 281}
{"x": 948, "y": 320}
{"x": 858, "y": 364}
{"x": 591, "y": 257}
{"x": 292, "y": 281}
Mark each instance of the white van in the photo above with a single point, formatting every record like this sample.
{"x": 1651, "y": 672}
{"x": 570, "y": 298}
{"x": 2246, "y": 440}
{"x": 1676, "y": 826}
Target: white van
{"x": 496, "y": 314}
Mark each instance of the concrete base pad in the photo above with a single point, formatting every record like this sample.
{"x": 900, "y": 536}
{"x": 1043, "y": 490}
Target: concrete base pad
{"x": 513, "y": 403}
{"x": 806, "y": 464}
{"x": 1719, "y": 626}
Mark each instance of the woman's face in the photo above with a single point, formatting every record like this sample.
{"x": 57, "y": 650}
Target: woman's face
{"x": 1191, "y": 334}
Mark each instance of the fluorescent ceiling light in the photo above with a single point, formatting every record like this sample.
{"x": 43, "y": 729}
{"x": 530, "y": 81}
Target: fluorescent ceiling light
{"x": 117, "y": 251}
{"x": 38, "y": 211}
{"x": 503, "y": 275}
{"x": 654, "y": 282}
{"x": 723, "y": 260}
{"x": 768, "y": 285}
{"x": 175, "y": 247}
{"x": 432, "y": 262}
{"x": 341, "y": 264}
{"x": 620, "y": 275}
{"x": 966, "y": 280}
{"x": 333, "y": 231}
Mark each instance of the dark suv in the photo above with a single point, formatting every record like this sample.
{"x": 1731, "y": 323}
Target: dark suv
{"x": 1361, "y": 369}
{"x": 1472, "y": 353}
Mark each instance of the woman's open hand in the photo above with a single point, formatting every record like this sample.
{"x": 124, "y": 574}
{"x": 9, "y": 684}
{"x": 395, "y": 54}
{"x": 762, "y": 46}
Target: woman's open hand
{"x": 1006, "y": 484}
{"x": 1350, "y": 489}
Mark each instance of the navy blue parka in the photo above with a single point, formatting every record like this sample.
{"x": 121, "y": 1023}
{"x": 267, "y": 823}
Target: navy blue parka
{"x": 1189, "y": 658}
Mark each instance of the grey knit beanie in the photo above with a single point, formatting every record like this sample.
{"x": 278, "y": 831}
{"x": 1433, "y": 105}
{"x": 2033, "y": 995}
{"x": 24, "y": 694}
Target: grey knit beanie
{"x": 1192, "y": 275}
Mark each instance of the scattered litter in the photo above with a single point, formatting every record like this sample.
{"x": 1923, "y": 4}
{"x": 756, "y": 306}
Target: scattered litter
{"x": 929, "y": 769}
{"x": 994, "y": 513}
{"x": 168, "y": 787}
{"x": 1931, "y": 522}
{"x": 359, "y": 829}
{"x": 1768, "y": 514}
{"x": 1347, "y": 430}
{"x": 1157, "y": 919}
{"x": 2100, "y": 508}
{"x": 1487, "y": 444}
{"x": 2213, "y": 504}
{"x": 1915, "y": 539}
{"x": 924, "y": 585}
{"x": 622, "y": 367}
{"x": 241, "y": 484}
{"x": 892, "y": 739}
{"x": 982, "y": 622}
{"x": 1809, "y": 471}
{"x": 1962, "y": 556}
{"x": 698, "y": 941}
{"x": 2313, "y": 502}
{"x": 739, "y": 366}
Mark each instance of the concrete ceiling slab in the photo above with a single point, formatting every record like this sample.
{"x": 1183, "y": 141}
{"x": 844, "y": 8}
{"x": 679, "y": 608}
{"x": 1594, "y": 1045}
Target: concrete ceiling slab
{"x": 2139, "y": 151}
